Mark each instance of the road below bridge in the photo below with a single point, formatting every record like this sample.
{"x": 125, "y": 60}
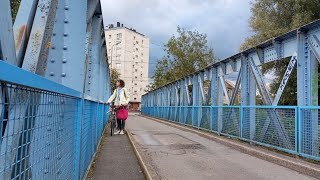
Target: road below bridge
{"x": 171, "y": 153}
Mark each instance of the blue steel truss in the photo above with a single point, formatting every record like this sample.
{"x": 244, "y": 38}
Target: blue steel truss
{"x": 302, "y": 45}
{"x": 54, "y": 78}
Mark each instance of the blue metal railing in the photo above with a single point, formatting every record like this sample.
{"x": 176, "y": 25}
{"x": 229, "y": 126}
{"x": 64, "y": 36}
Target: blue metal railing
{"x": 47, "y": 130}
{"x": 296, "y": 131}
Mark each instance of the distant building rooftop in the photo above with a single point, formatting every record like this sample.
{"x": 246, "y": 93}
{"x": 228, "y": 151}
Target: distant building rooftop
{"x": 120, "y": 26}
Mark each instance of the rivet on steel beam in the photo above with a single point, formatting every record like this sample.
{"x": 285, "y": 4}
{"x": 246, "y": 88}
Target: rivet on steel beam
{"x": 64, "y": 61}
{"x": 63, "y": 74}
{"x": 61, "y": 115}
{"x": 66, "y": 7}
{"x": 65, "y": 34}
{"x": 48, "y": 129}
{"x": 58, "y": 172}
{"x": 52, "y": 60}
{"x": 62, "y": 101}
{"x": 46, "y": 157}
{"x": 59, "y": 142}
{"x": 60, "y": 129}
{"x": 59, "y": 157}
{"x": 48, "y": 143}
{"x": 46, "y": 171}
{"x": 66, "y": 21}
{"x": 65, "y": 47}
{"x": 51, "y": 73}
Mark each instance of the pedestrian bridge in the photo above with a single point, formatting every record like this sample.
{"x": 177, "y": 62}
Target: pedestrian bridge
{"x": 54, "y": 80}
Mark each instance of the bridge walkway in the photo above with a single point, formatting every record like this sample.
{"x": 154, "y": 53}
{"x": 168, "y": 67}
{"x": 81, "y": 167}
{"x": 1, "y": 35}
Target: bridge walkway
{"x": 115, "y": 160}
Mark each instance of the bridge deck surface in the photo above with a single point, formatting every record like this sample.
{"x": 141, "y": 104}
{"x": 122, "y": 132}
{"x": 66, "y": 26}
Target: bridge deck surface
{"x": 171, "y": 153}
{"x": 116, "y": 160}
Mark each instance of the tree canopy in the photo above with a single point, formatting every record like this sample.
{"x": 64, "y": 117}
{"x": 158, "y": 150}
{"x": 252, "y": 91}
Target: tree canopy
{"x": 185, "y": 54}
{"x": 272, "y": 18}
{"x": 115, "y": 75}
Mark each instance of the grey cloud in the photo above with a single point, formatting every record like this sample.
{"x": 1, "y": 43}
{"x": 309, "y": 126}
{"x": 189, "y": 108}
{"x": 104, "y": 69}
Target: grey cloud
{"x": 224, "y": 21}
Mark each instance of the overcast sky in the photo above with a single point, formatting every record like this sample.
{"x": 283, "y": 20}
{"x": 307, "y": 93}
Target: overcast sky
{"x": 224, "y": 21}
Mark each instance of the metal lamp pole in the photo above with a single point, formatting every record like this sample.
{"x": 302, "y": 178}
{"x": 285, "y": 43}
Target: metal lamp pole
{"x": 112, "y": 54}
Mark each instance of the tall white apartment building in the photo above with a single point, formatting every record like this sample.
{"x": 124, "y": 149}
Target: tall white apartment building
{"x": 128, "y": 52}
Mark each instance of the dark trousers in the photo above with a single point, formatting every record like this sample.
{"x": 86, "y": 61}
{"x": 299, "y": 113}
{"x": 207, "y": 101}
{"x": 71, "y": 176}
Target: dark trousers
{"x": 121, "y": 124}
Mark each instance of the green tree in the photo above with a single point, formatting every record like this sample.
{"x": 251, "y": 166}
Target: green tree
{"x": 115, "y": 75}
{"x": 272, "y": 18}
{"x": 185, "y": 54}
{"x": 14, "y": 8}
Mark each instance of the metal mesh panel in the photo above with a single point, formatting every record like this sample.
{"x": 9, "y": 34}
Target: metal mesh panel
{"x": 86, "y": 137}
{"x": 205, "y": 118}
{"x": 309, "y": 132}
{"x": 214, "y": 119}
{"x": 37, "y": 134}
{"x": 272, "y": 126}
{"x": 188, "y": 115}
{"x": 230, "y": 120}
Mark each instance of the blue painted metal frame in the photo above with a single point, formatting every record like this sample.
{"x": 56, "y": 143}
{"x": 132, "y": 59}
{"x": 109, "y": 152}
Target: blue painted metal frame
{"x": 12, "y": 74}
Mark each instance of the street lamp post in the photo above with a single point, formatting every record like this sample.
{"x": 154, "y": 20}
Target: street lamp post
{"x": 112, "y": 54}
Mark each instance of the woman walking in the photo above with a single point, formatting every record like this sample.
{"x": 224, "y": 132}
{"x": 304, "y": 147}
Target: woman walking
{"x": 121, "y": 99}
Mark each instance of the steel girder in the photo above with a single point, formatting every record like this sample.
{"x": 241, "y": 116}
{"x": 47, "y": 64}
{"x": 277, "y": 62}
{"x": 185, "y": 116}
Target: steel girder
{"x": 302, "y": 45}
{"x": 62, "y": 41}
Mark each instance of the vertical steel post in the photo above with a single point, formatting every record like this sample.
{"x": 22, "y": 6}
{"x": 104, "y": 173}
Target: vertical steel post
{"x": 248, "y": 98}
{"x": 307, "y": 83}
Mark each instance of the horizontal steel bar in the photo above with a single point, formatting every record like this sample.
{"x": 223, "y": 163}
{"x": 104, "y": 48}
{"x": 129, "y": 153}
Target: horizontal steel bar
{"x": 24, "y": 78}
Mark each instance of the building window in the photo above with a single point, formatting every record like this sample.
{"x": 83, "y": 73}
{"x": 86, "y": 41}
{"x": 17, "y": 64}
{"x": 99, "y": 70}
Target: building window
{"x": 135, "y": 77}
{"x": 118, "y": 58}
{"x": 137, "y": 42}
{"x": 137, "y": 49}
{"x": 119, "y": 36}
{"x": 118, "y": 65}
{"x": 135, "y": 98}
{"x": 136, "y": 56}
{"x": 142, "y": 54}
{"x": 136, "y": 70}
{"x": 110, "y": 51}
{"x": 142, "y": 42}
{"x": 135, "y": 91}
{"x": 109, "y": 36}
{"x": 134, "y": 38}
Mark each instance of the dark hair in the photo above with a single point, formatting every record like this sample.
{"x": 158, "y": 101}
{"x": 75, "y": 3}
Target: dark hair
{"x": 121, "y": 82}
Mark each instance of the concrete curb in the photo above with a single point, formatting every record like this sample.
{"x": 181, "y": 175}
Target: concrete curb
{"x": 296, "y": 166}
{"x": 140, "y": 159}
